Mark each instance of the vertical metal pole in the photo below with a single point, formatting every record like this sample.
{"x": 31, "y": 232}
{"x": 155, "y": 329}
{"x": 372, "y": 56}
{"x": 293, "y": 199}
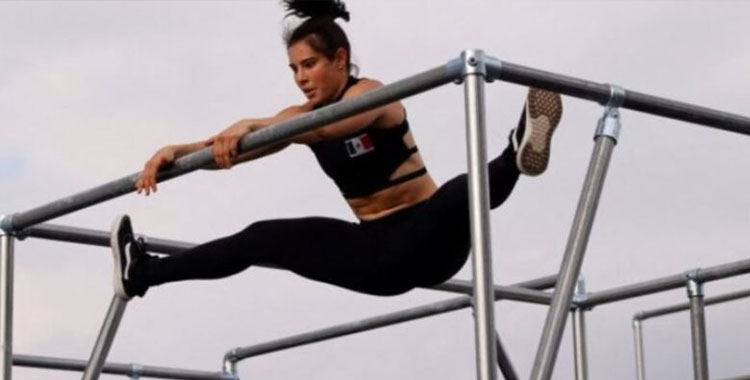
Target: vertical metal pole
{"x": 698, "y": 329}
{"x": 503, "y": 361}
{"x": 579, "y": 332}
{"x": 106, "y": 336}
{"x": 579, "y": 344}
{"x": 638, "y": 336}
{"x": 479, "y": 205}
{"x": 554, "y": 325}
{"x": 6, "y": 303}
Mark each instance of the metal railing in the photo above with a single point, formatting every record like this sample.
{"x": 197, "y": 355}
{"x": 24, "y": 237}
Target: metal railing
{"x": 472, "y": 69}
{"x": 699, "y": 356}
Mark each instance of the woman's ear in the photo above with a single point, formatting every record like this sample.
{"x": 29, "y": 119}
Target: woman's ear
{"x": 341, "y": 58}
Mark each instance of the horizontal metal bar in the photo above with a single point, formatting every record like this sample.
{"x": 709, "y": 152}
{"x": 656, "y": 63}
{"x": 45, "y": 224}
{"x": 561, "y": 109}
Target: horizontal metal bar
{"x": 46, "y": 362}
{"x": 600, "y": 92}
{"x": 370, "y": 323}
{"x": 353, "y": 327}
{"x": 156, "y": 245}
{"x": 643, "y": 315}
{"x": 666, "y": 283}
{"x": 501, "y": 292}
{"x": 267, "y": 136}
{"x": 540, "y": 283}
{"x": 744, "y": 377}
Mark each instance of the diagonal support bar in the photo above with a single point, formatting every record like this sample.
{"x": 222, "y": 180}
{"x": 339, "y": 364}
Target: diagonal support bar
{"x": 105, "y": 339}
{"x": 503, "y": 361}
{"x": 607, "y": 133}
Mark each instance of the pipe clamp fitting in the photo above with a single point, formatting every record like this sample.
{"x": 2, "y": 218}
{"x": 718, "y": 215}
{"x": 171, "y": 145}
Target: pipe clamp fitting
{"x": 6, "y": 225}
{"x": 474, "y": 63}
{"x": 694, "y": 286}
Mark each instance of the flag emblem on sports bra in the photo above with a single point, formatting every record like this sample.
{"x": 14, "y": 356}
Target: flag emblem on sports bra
{"x": 359, "y": 145}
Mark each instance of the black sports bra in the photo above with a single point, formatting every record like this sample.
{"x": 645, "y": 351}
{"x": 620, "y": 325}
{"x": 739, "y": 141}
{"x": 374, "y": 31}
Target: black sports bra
{"x": 362, "y": 162}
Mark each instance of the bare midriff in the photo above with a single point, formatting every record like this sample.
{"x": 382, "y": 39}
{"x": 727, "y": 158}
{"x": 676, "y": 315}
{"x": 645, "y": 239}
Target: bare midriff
{"x": 396, "y": 197}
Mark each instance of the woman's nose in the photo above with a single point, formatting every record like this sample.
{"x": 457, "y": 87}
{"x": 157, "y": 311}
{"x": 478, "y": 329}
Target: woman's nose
{"x": 301, "y": 77}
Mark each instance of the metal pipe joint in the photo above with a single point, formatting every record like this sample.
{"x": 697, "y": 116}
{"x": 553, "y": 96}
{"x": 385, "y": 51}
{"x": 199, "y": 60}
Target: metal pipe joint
{"x": 694, "y": 285}
{"x": 637, "y": 319}
{"x": 6, "y": 225}
{"x": 473, "y": 63}
{"x": 229, "y": 364}
{"x": 609, "y": 125}
{"x": 579, "y": 293}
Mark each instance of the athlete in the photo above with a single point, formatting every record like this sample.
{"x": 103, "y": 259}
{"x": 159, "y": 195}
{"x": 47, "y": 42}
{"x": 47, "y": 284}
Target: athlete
{"x": 410, "y": 232}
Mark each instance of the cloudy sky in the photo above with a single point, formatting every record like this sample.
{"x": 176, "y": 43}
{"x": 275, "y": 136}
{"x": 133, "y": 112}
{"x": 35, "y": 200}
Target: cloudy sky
{"x": 89, "y": 90}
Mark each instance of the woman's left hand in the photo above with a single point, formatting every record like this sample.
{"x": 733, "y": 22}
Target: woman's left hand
{"x": 225, "y": 144}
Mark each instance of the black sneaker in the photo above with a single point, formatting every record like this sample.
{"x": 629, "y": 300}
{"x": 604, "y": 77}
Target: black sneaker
{"x": 531, "y": 139}
{"x": 127, "y": 253}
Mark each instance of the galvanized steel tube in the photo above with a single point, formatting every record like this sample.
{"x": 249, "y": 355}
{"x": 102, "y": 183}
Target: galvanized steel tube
{"x": 106, "y": 336}
{"x": 503, "y": 361}
{"x": 717, "y": 272}
{"x": 698, "y": 329}
{"x": 600, "y": 92}
{"x": 352, "y": 327}
{"x": 643, "y": 315}
{"x": 640, "y": 368}
{"x": 387, "y": 94}
{"x": 579, "y": 344}
{"x": 6, "y": 304}
{"x": 479, "y": 207}
{"x": 45, "y": 362}
{"x": 571, "y": 266}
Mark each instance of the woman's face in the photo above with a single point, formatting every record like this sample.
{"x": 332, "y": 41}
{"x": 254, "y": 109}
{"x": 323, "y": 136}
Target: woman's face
{"x": 318, "y": 77}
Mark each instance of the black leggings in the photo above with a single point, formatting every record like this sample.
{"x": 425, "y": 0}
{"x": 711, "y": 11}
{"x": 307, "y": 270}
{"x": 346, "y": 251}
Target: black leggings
{"x": 423, "y": 245}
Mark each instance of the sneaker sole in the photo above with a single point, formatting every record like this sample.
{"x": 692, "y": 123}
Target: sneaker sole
{"x": 543, "y": 113}
{"x": 121, "y": 227}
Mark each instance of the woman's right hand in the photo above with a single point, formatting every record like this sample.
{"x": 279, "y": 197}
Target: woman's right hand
{"x": 147, "y": 181}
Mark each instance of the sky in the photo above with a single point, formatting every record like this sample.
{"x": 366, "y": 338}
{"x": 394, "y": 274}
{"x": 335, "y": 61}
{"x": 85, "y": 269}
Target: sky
{"x": 89, "y": 90}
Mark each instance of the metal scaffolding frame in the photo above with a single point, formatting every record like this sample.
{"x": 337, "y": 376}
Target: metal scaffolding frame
{"x": 472, "y": 69}
{"x": 698, "y": 356}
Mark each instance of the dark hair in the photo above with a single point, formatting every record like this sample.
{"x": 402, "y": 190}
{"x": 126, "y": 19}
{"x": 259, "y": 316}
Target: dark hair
{"x": 319, "y": 30}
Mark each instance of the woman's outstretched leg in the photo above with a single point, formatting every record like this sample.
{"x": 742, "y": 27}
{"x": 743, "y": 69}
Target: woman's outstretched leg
{"x": 323, "y": 249}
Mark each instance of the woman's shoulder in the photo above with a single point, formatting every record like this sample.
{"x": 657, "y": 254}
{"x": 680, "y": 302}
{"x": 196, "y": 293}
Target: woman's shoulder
{"x": 363, "y": 85}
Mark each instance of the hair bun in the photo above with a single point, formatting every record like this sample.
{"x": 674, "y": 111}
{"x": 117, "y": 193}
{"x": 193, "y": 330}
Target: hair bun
{"x": 316, "y": 8}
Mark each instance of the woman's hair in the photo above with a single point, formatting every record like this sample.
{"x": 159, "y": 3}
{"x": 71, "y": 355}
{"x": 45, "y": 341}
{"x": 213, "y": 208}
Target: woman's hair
{"x": 319, "y": 30}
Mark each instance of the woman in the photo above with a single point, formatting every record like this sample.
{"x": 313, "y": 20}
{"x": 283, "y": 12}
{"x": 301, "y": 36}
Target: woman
{"x": 410, "y": 232}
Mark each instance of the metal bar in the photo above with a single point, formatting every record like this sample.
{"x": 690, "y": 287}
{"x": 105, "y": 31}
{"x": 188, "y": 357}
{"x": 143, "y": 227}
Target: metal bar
{"x": 45, "y": 362}
{"x": 513, "y": 293}
{"x": 503, "y": 361}
{"x": 579, "y": 344}
{"x": 599, "y": 92}
{"x": 639, "y": 317}
{"x": 698, "y": 329}
{"x": 6, "y": 304}
{"x": 106, "y": 336}
{"x": 56, "y": 232}
{"x": 267, "y": 136}
{"x": 638, "y": 336}
{"x": 666, "y": 283}
{"x": 743, "y": 377}
{"x": 686, "y": 306}
{"x": 353, "y": 327}
{"x": 479, "y": 206}
{"x": 464, "y": 286}
{"x": 578, "y": 239}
